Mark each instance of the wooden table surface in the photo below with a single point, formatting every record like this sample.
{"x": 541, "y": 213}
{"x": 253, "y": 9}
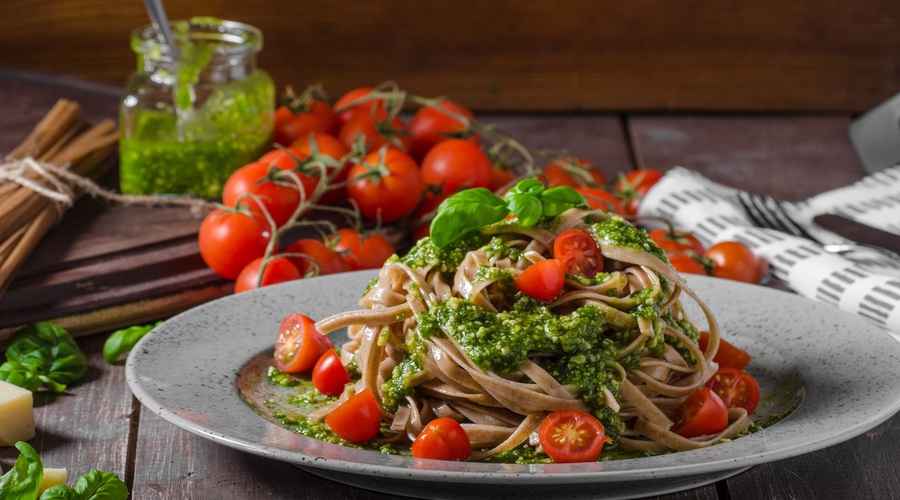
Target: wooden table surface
{"x": 97, "y": 424}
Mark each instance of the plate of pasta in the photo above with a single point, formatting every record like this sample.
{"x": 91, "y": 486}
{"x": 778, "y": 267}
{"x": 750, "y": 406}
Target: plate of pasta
{"x": 505, "y": 332}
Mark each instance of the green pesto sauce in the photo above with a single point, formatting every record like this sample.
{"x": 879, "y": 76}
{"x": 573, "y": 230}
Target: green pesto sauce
{"x": 618, "y": 232}
{"x": 425, "y": 254}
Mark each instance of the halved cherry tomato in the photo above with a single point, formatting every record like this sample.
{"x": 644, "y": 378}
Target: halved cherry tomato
{"x": 633, "y": 186}
{"x": 362, "y": 252}
{"x": 327, "y": 261}
{"x": 433, "y": 124}
{"x": 687, "y": 264}
{"x": 569, "y": 436}
{"x": 733, "y": 260}
{"x": 702, "y": 413}
{"x": 378, "y": 128}
{"x": 386, "y": 185}
{"x": 277, "y": 270}
{"x": 672, "y": 240}
{"x": 358, "y": 419}
{"x": 299, "y": 345}
{"x": 542, "y": 280}
{"x": 293, "y": 122}
{"x": 736, "y": 388}
{"x": 457, "y": 164}
{"x": 601, "y": 199}
{"x": 329, "y": 376}
{"x": 229, "y": 241}
{"x": 573, "y": 172}
{"x": 578, "y": 252}
{"x": 442, "y": 439}
{"x": 727, "y": 355}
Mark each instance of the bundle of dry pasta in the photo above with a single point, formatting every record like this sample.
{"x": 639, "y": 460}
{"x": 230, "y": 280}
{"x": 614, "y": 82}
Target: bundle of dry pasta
{"x": 34, "y": 193}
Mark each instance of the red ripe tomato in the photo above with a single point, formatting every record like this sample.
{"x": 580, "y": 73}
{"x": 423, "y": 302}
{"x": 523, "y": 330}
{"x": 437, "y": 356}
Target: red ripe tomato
{"x": 573, "y": 172}
{"x": 299, "y": 345}
{"x": 313, "y": 116}
{"x": 542, "y": 280}
{"x": 442, "y": 439}
{"x": 327, "y": 146}
{"x": 319, "y": 260}
{"x": 736, "y": 388}
{"x": 353, "y": 102}
{"x": 633, "y": 186}
{"x": 500, "y": 177}
{"x": 733, "y": 260}
{"x": 362, "y": 252}
{"x": 601, "y": 199}
{"x": 672, "y": 240}
{"x": 277, "y": 270}
{"x": 229, "y": 241}
{"x": 702, "y": 413}
{"x": 578, "y": 252}
{"x": 329, "y": 376}
{"x": 386, "y": 185}
{"x": 457, "y": 164}
{"x": 358, "y": 419}
{"x": 433, "y": 124}
{"x": 272, "y": 190}
{"x": 378, "y": 128}
{"x": 686, "y": 264}
{"x": 728, "y": 354}
{"x": 570, "y": 436}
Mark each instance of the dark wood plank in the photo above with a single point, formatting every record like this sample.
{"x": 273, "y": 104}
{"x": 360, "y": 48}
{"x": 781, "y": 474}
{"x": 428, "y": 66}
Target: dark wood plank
{"x": 519, "y": 55}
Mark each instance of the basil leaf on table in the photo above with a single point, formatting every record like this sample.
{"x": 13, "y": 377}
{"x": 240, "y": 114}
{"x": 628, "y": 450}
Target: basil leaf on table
{"x": 95, "y": 485}
{"x": 464, "y": 212}
{"x": 24, "y": 479}
{"x": 123, "y": 341}
{"x": 48, "y": 352}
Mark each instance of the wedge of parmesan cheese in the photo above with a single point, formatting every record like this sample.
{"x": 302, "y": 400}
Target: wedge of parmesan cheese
{"x": 52, "y": 477}
{"x": 16, "y": 414}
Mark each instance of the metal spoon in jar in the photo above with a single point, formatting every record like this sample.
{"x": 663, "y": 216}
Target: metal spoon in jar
{"x": 160, "y": 21}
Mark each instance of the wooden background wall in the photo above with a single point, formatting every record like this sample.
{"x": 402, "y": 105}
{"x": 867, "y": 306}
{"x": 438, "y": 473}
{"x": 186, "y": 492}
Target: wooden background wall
{"x": 502, "y": 55}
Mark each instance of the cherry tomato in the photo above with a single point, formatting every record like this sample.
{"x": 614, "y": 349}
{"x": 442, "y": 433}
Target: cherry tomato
{"x": 328, "y": 260}
{"x": 386, "y": 185}
{"x": 299, "y": 345}
{"x": 573, "y": 172}
{"x": 500, "y": 177}
{"x": 424, "y": 214}
{"x": 677, "y": 241}
{"x": 312, "y": 116}
{"x": 728, "y": 354}
{"x": 229, "y": 241}
{"x": 457, "y": 164}
{"x": 378, "y": 129}
{"x": 736, "y": 388}
{"x": 433, "y": 124}
{"x": 329, "y": 376}
{"x": 601, "y": 199}
{"x": 569, "y": 436}
{"x": 362, "y": 252}
{"x": 578, "y": 252}
{"x": 327, "y": 146}
{"x": 277, "y": 270}
{"x": 542, "y": 280}
{"x": 733, "y": 260}
{"x": 686, "y": 264}
{"x": 278, "y": 193}
{"x": 442, "y": 439}
{"x": 345, "y": 108}
{"x": 358, "y": 419}
{"x": 702, "y": 413}
{"x": 633, "y": 186}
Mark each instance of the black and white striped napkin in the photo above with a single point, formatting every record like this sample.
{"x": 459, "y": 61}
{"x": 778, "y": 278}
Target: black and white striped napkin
{"x": 861, "y": 284}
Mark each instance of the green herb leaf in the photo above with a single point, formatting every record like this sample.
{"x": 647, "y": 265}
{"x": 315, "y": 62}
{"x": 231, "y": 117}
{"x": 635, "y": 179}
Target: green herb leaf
{"x": 527, "y": 208}
{"x": 123, "y": 341}
{"x": 49, "y": 353}
{"x": 464, "y": 212}
{"x": 99, "y": 485}
{"x": 559, "y": 199}
{"x": 24, "y": 479}
{"x": 18, "y": 374}
{"x": 60, "y": 492}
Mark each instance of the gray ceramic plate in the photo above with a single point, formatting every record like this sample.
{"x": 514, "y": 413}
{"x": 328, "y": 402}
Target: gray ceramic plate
{"x": 834, "y": 375}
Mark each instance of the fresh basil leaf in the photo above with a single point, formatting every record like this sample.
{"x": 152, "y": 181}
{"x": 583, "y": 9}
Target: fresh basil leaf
{"x": 21, "y": 375}
{"x": 50, "y": 353}
{"x": 60, "y": 492}
{"x": 24, "y": 479}
{"x": 529, "y": 186}
{"x": 526, "y": 207}
{"x": 464, "y": 212}
{"x": 100, "y": 485}
{"x": 121, "y": 342}
{"x": 559, "y": 199}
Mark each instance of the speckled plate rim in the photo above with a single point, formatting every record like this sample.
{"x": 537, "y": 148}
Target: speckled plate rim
{"x": 185, "y": 371}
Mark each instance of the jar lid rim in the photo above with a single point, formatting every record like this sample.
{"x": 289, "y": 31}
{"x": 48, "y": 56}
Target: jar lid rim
{"x": 226, "y": 38}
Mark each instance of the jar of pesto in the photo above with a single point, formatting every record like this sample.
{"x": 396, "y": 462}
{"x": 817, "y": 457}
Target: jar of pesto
{"x": 195, "y": 110}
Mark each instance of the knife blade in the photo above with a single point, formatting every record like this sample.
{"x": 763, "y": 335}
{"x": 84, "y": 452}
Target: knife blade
{"x": 858, "y": 232}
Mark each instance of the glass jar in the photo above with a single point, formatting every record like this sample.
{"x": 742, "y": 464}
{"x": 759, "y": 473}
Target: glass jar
{"x": 195, "y": 111}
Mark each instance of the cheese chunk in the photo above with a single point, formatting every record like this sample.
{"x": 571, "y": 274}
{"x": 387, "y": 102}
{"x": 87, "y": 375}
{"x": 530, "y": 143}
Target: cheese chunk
{"x": 16, "y": 414}
{"x": 52, "y": 477}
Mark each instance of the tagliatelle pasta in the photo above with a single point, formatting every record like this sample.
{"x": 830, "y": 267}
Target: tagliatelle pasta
{"x": 443, "y": 332}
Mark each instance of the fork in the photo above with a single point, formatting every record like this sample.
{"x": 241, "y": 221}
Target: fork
{"x": 765, "y": 211}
